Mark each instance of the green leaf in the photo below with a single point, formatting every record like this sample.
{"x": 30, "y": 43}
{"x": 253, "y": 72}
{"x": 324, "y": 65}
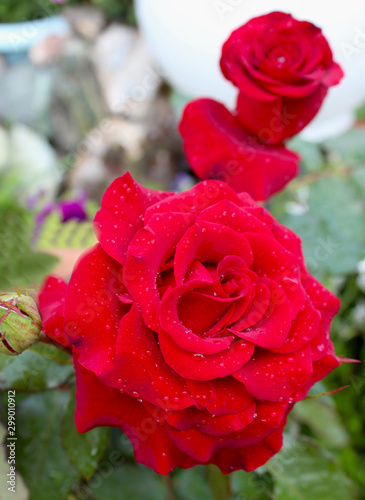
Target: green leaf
{"x": 122, "y": 444}
{"x": 323, "y": 420}
{"x": 251, "y": 485}
{"x": 303, "y": 470}
{"x": 311, "y": 157}
{"x": 332, "y": 228}
{"x": 349, "y": 148}
{"x": 41, "y": 458}
{"x": 84, "y": 450}
{"x": 20, "y": 266}
{"x": 192, "y": 484}
{"x": 70, "y": 234}
{"x": 33, "y": 371}
{"x": 129, "y": 482}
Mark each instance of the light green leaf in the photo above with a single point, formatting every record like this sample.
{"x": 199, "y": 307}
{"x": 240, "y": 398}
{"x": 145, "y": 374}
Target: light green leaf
{"x": 323, "y": 420}
{"x": 192, "y": 484}
{"x": 303, "y": 470}
{"x": 84, "y": 450}
{"x": 20, "y": 265}
{"x": 311, "y": 157}
{"x": 349, "y": 148}
{"x": 333, "y": 227}
{"x": 33, "y": 371}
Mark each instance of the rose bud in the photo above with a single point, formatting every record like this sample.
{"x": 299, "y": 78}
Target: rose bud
{"x": 20, "y": 323}
{"x": 195, "y": 326}
{"x": 283, "y": 69}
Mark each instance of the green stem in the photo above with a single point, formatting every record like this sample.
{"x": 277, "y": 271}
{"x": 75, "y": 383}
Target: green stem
{"x": 219, "y": 483}
{"x": 169, "y": 487}
{"x": 316, "y": 176}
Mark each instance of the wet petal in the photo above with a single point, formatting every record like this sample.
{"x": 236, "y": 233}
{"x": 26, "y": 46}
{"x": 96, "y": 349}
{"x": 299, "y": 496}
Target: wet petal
{"x": 273, "y": 377}
{"x": 121, "y": 215}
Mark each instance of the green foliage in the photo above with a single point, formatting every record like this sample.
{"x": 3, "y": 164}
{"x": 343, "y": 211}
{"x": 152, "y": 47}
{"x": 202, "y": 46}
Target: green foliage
{"x": 24, "y": 10}
{"x": 41, "y": 459}
{"x": 251, "y": 485}
{"x": 131, "y": 482}
{"x": 324, "y": 421}
{"x": 37, "y": 369}
{"x": 117, "y": 9}
{"x": 192, "y": 484}
{"x": 326, "y": 205}
{"x": 304, "y": 471}
{"x": 84, "y": 450}
{"x": 20, "y": 265}
{"x": 72, "y": 234}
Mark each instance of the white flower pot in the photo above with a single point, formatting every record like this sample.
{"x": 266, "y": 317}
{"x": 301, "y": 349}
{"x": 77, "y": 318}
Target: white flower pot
{"x": 186, "y": 38}
{"x": 20, "y": 37}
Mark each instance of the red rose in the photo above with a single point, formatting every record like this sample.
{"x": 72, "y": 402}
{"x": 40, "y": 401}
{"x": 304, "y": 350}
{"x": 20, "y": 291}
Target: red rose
{"x": 283, "y": 69}
{"x": 217, "y": 147}
{"x": 195, "y": 326}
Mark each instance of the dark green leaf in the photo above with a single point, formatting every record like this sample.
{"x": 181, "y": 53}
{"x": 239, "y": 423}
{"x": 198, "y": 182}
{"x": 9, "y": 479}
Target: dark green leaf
{"x": 128, "y": 482}
{"x": 84, "y": 450}
{"x": 41, "y": 458}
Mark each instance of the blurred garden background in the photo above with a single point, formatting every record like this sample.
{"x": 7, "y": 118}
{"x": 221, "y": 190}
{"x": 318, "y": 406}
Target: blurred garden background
{"x": 83, "y": 99}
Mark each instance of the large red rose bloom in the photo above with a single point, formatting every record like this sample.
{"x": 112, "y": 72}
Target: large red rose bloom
{"x": 283, "y": 69}
{"x": 195, "y": 326}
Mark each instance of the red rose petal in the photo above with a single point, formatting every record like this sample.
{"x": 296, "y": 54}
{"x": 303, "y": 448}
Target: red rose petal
{"x": 93, "y": 310}
{"x": 208, "y": 242}
{"x": 198, "y": 198}
{"x": 274, "y": 323}
{"x": 303, "y": 330}
{"x": 276, "y": 121}
{"x": 220, "y": 396}
{"x": 51, "y": 300}
{"x": 146, "y": 253}
{"x": 122, "y": 209}
{"x": 217, "y": 146}
{"x": 274, "y": 377}
{"x": 197, "y": 366}
{"x": 142, "y": 369}
{"x": 273, "y": 261}
{"x": 229, "y": 214}
{"x": 249, "y": 458}
{"x": 181, "y": 335}
{"x": 99, "y": 405}
{"x": 208, "y": 424}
